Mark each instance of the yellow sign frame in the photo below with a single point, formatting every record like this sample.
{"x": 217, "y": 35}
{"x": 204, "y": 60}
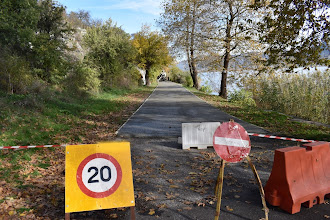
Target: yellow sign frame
{"x": 75, "y": 199}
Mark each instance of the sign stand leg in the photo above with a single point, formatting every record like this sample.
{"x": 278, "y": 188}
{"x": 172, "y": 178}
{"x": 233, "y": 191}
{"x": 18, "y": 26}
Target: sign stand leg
{"x": 218, "y": 189}
{"x": 67, "y": 216}
{"x": 262, "y": 193}
{"x": 132, "y": 213}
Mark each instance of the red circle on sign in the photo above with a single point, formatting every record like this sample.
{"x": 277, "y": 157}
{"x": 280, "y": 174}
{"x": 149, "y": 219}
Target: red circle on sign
{"x": 231, "y": 142}
{"x": 90, "y": 193}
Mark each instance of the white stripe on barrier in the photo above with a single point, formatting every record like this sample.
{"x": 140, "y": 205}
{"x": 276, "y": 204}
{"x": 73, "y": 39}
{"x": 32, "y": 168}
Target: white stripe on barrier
{"x": 231, "y": 142}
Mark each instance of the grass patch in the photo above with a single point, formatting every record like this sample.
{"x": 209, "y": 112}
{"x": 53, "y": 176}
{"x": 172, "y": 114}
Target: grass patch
{"x": 26, "y": 186}
{"x": 275, "y": 122}
{"x": 54, "y": 119}
{"x": 21, "y": 210}
{"x": 5, "y": 173}
{"x": 35, "y": 173}
{"x": 46, "y": 119}
{"x": 43, "y": 165}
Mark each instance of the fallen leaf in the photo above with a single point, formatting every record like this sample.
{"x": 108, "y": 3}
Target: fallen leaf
{"x": 11, "y": 212}
{"x": 162, "y": 206}
{"x": 201, "y": 204}
{"x": 237, "y": 196}
{"x": 187, "y": 208}
{"x": 326, "y": 216}
{"x": 170, "y": 181}
{"x": 174, "y": 186}
{"x": 170, "y": 196}
{"x": 148, "y": 198}
{"x": 152, "y": 212}
{"x": 113, "y": 215}
{"x": 229, "y": 209}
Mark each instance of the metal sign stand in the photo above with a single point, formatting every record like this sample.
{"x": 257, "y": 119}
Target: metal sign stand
{"x": 219, "y": 184}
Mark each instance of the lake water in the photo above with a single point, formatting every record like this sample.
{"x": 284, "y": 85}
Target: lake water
{"x": 213, "y": 79}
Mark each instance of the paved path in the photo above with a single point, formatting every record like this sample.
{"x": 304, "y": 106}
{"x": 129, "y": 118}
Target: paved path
{"x": 171, "y": 183}
{"x": 168, "y": 107}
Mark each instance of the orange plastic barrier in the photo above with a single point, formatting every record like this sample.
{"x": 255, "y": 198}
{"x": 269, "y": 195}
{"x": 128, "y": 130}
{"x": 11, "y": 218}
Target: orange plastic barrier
{"x": 299, "y": 176}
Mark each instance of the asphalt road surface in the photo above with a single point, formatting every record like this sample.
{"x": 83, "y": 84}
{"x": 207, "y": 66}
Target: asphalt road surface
{"x": 168, "y": 107}
{"x": 171, "y": 183}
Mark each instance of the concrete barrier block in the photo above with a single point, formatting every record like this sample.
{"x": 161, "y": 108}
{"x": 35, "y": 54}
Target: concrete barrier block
{"x": 198, "y": 135}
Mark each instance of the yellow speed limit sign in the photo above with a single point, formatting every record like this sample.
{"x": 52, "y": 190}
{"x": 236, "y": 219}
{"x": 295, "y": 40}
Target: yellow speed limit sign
{"x": 98, "y": 176}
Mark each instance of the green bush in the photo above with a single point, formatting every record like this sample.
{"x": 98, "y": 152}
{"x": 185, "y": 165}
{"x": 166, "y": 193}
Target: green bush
{"x": 179, "y": 76}
{"x": 206, "y": 89}
{"x": 188, "y": 81}
{"x": 82, "y": 80}
{"x": 128, "y": 79}
{"x": 242, "y": 97}
{"x": 110, "y": 50}
{"x": 15, "y": 74}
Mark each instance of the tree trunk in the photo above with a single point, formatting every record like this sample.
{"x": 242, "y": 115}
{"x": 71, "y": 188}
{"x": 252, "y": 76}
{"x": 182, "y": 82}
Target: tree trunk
{"x": 224, "y": 74}
{"x": 187, "y": 51}
{"x": 194, "y": 73}
{"x": 192, "y": 57}
{"x": 223, "y": 88}
{"x": 148, "y": 83}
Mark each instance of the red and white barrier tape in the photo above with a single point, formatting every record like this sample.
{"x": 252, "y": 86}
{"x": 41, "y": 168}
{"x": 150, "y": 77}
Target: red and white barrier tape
{"x": 25, "y": 147}
{"x": 281, "y": 138}
{"x": 250, "y": 134}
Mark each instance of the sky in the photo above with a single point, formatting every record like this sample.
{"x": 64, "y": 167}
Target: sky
{"x": 129, "y": 14}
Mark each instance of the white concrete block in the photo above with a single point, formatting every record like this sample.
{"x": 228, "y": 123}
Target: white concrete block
{"x": 198, "y": 135}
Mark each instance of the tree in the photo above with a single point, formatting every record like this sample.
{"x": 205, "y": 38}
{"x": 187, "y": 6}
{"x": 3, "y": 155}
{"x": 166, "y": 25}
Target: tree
{"x": 180, "y": 22}
{"x": 82, "y": 19}
{"x": 217, "y": 31}
{"x": 110, "y": 51}
{"x": 230, "y": 30}
{"x": 296, "y": 32}
{"x": 152, "y": 50}
{"x": 50, "y": 42}
{"x": 18, "y": 20}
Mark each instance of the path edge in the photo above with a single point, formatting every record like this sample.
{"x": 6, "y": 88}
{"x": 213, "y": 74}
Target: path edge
{"x": 266, "y": 131}
{"x": 116, "y": 133}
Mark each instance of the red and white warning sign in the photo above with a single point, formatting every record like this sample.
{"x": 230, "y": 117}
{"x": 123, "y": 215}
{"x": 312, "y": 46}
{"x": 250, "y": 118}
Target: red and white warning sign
{"x": 99, "y": 175}
{"x": 231, "y": 142}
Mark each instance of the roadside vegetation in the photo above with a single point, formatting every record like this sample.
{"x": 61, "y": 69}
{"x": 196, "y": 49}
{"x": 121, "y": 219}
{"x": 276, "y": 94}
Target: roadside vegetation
{"x": 242, "y": 105}
{"x": 32, "y": 180}
{"x": 300, "y": 95}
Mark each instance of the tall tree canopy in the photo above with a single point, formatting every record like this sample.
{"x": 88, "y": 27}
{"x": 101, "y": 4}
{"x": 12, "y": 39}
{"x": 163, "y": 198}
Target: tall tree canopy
{"x": 109, "y": 50}
{"x": 50, "y": 45}
{"x": 214, "y": 30}
{"x": 296, "y": 32}
{"x": 18, "y": 21}
{"x": 181, "y": 22}
{"x": 230, "y": 29}
{"x": 152, "y": 50}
